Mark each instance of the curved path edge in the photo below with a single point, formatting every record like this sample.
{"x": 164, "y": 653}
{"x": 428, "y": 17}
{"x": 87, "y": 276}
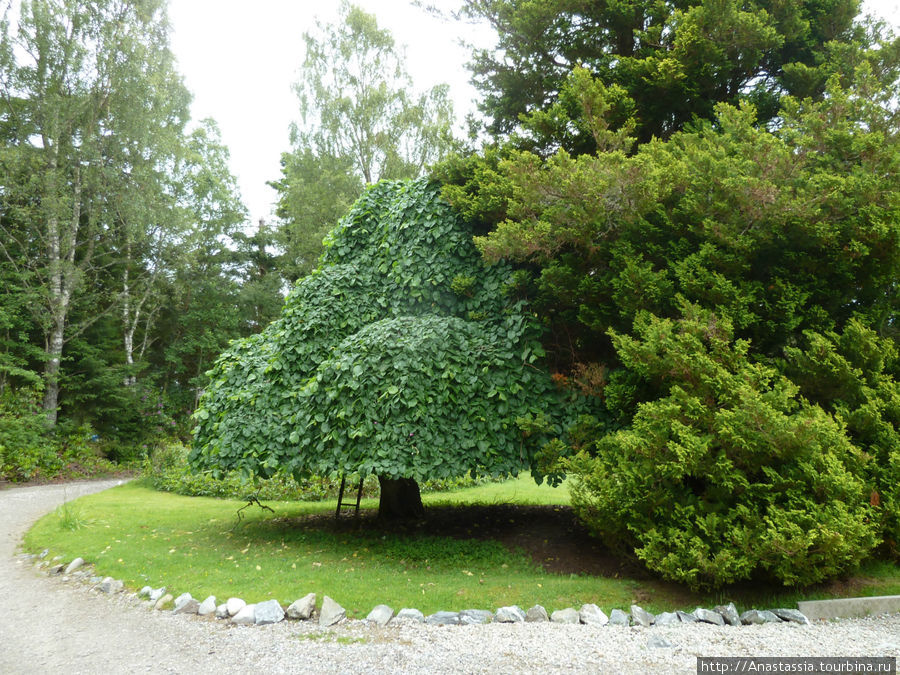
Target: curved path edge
{"x": 48, "y": 625}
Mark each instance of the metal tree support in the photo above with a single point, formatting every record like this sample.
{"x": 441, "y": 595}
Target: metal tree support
{"x": 342, "y": 504}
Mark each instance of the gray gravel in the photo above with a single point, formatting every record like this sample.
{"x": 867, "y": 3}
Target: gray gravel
{"x": 48, "y": 625}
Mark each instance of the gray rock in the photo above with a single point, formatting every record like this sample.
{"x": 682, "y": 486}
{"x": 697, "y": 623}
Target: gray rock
{"x": 792, "y": 615}
{"x": 235, "y": 605}
{"x": 56, "y": 569}
{"x": 207, "y": 607}
{"x": 182, "y": 599}
{"x": 667, "y": 619}
{"x": 93, "y": 579}
{"x": 74, "y": 565}
{"x": 591, "y": 615}
{"x": 407, "y": 614}
{"x": 162, "y": 601}
{"x": 43, "y": 554}
{"x": 729, "y": 613}
{"x": 757, "y": 616}
{"x": 567, "y": 615}
{"x": 684, "y": 617}
{"x": 303, "y": 608}
{"x": 659, "y": 642}
{"x": 709, "y": 616}
{"x": 479, "y": 616}
{"x": 157, "y": 593}
{"x": 189, "y": 606}
{"x": 510, "y": 614}
{"x": 145, "y": 592}
{"x": 536, "y": 614}
{"x": 222, "y": 611}
{"x": 268, "y": 612}
{"x": 331, "y": 613}
{"x": 618, "y": 618}
{"x": 246, "y": 616}
{"x": 110, "y": 585}
{"x": 642, "y": 617}
{"x": 380, "y": 615}
{"x": 443, "y": 619}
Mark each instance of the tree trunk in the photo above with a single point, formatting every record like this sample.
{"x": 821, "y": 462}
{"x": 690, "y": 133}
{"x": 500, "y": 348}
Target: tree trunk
{"x": 400, "y": 499}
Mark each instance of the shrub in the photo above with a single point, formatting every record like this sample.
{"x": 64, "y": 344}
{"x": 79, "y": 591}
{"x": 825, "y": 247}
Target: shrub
{"x": 28, "y": 451}
{"x": 727, "y": 476}
{"x": 849, "y": 375}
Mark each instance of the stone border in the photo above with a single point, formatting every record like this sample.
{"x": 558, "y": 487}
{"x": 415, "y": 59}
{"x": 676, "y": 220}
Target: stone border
{"x": 238, "y": 611}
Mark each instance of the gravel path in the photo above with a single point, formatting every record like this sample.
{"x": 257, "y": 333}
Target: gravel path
{"x": 50, "y": 626}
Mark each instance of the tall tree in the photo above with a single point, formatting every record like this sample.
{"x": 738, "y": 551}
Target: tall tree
{"x": 399, "y": 356}
{"x": 88, "y": 84}
{"x": 360, "y": 123}
{"x": 675, "y": 60}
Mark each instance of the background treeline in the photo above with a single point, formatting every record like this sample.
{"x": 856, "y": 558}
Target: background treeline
{"x": 125, "y": 260}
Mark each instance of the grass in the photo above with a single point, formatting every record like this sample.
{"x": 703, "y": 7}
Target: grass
{"x": 192, "y": 544}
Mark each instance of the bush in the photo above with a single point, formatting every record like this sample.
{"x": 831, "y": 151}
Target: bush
{"x": 28, "y": 451}
{"x": 727, "y": 476}
{"x": 167, "y": 470}
{"x": 849, "y": 374}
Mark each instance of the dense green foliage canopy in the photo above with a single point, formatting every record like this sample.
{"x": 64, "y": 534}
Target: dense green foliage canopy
{"x": 673, "y": 60}
{"x": 360, "y": 122}
{"x": 784, "y": 242}
{"x": 401, "y": 356}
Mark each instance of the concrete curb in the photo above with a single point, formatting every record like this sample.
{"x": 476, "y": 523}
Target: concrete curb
{"x": 843, "y": 608}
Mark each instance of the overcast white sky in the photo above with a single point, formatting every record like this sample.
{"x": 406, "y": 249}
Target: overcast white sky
{"x": 239, "y": 59}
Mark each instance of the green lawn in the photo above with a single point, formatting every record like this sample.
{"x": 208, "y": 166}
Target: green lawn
{"x": 191, "y": 544}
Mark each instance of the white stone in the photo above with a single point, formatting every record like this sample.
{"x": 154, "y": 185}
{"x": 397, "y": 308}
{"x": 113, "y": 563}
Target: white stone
{"x": 182, "y": 599}
{"x": 618, "y": 618}
{"x": 792, "y": 615}
{"x": 207, "y": 607}
{"x": 246, "y": 616}
{"x": 235, "y": 605}
{"x": 443, "y": 619}
{"x": 591, "y": 615}
{"x": 157, "y": 593}
{"x": 536, "y": 614}
{"x": 331, "y": 613}
{"x": 667, "y": 619}
{"x": 510, "y": 614}
{"x": 268, "y": 612}
{"x": 74, "y": 565}
{"x": 567, "y": 615}
{"x": 709, "y": 616}
{"x": 729, "y": 613}
{"x": 162, "y": 601}
{"x": 222, "y": 611}
{"x": 476, "y": 616}
{"x": 642, "y": 617}
{"x": 303, "y": 608}
{"x": 409, "y": 614}
{"x": 380, "y": 615}
{"x": 110, "y": 585}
